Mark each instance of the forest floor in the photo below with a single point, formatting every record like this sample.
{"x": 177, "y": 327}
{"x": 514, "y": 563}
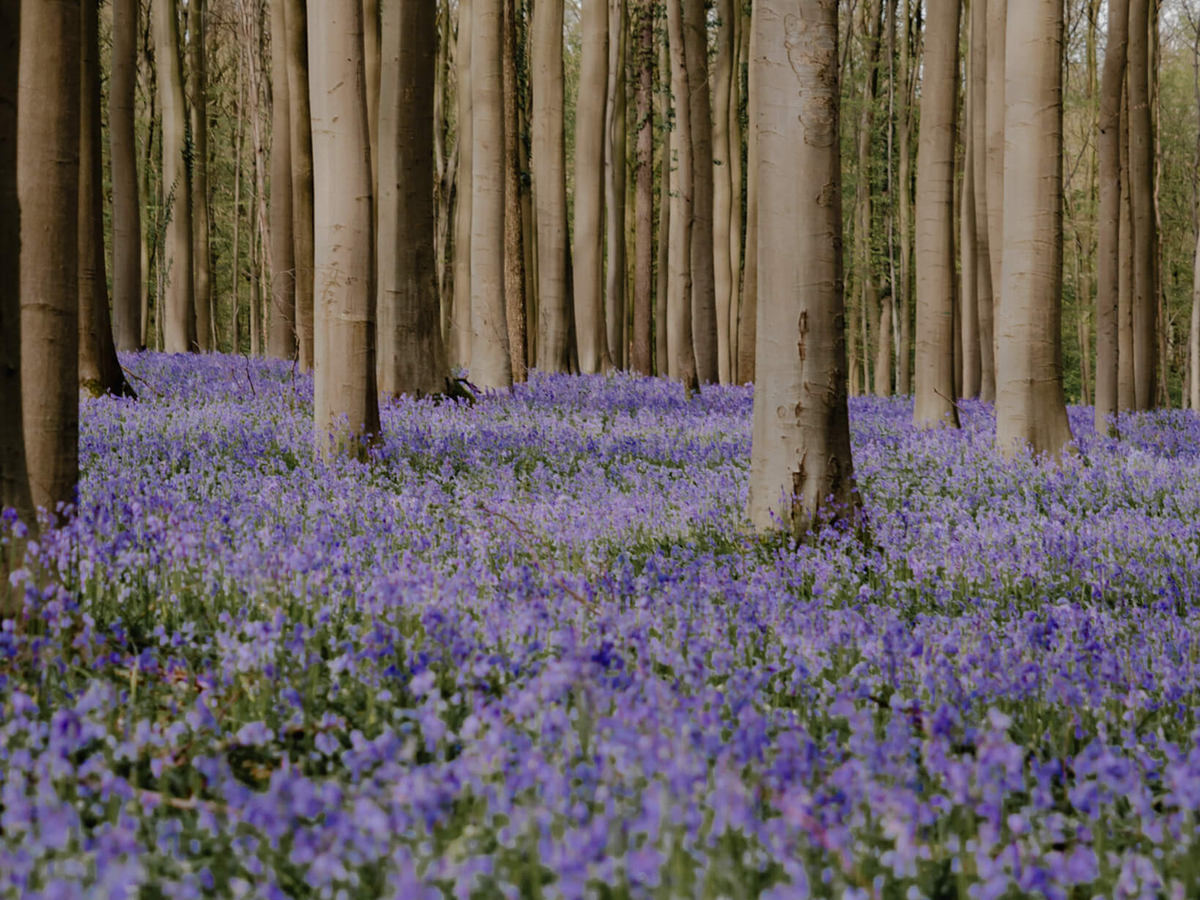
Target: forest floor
{"x": 529, "y": 650}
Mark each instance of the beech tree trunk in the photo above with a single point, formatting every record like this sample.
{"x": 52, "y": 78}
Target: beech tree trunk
{"x": 801, "y": 471}
{"x": 345, "y": 403}
{"x": 198, "y": 110}
{"x": 491, "y": 365}
{"x": 984, "y": 290}
{"x": 736, "y": 174}
{"x": 282, "y": 333}
{"x": 301, "y": 153}
{"x": 588, "y": 257}
{"x": 126, "y": 211}
{"x": 1031, "y": 409}
{"x": 968, "y": 296}
{"x": 904, "y": 217}
{"x": 14, "y": 475}
{"x": 935, "y": 220}
{"x": 665, "y": 160}
{"x": 176, "y": 261}
{"x": 514, "y": 232}
{"x": 748, "y": 322}
{"x": 722, "y": 174}
{"x": 550, "y": 185}
{"x": 614, "y": 189}
{"x": 681, "y": 357}
{"x": 1126, "y": 394}
{"x": 372, "y": 51}
{"x": 460, "y": 321}
{"x": 704, "y": 292}
{"x": 411, "y": 357}
{"x": 99, "y": 370}
{"x": 997, "y": 17}
{"x": 1141, "y": 182}
{"x": 643, "y": 283}
{"x": 1194, "y": 336}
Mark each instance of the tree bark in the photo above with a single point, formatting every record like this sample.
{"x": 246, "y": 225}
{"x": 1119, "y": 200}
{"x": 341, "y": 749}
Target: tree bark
{"x": 722, "y": 174}
{"x": 514, "y": 232}
{"x": 997, "y": 17}
{"x": 614, "y": 188}
{"x": 176, "y": 259}
{"x": 1031, "y": 410}
{"x": 126, "y": 213}
{"x": 862, "y": 208}
{"x": 935, "y": 220}
{"x": 704, "y": 293}
{"x": 301, "y": 153}
{"x": 984, "y": 289}
{"x": 883, "y": 351}
{"x": 282, "y": 334}
{"x": 99, "y": 370}
{"x": 801, "y": 470}
{"x": 198, "y": 109}
{"x": 491, "y": 365}
{"x": 736, "y": 174}
{"x": 681, "y": 358}
{"x": 644, "y": 197}
{"x": 372, "y": 52}
{"x": 1108, "y": 216}
{"x": 748, "y": 322}
{"x": 460, "y": 322}
{"x": 1126, "y": 396}
{"x": 662, "y": 275}
{"x": 904, "y": 162}
{"x": 345, "y": 403}
{"x": 972, "y": 369}
{"x": 1141, "y": 182}
{"x": 588, "y": 258}
{"x": 411, "y": 357}
{"x": 48, "y": 197}
{"x": 1194, "y": 335}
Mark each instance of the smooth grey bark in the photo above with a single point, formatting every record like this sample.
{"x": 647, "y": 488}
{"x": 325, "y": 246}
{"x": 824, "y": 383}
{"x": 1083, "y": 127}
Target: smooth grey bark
{"x": 126, "y": 213}
{"x": 300, "y": 153}
{"x": 197, "y": 86}
{"x": 704, "y": 292}
{"x": 282, "y": 327}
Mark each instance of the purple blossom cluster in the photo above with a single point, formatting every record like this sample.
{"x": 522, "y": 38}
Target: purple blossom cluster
{"x": 530, "y": 649}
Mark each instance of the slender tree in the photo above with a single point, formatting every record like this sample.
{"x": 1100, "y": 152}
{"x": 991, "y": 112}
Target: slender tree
{"x": 197, "y": 85}
{"x": 723, "y": 151}
{"x": 704, "y": 292}
{"x": 997, "y": 17}
{"x": 346, "y": 406}
{"x": 282, "y": 342}
{"x": 550, "y": 185}
{"x": 1141, "y": 183}
{"x": 681, "y": 356}
{"x": 662, "y": 104}
{"x": 126, "y": 205}
{"x": 934, "y": 219}
{"x": 372, "y": 54}
{"x": 905, "y": 202}
{"x": 616, "y": 323}
{"x": 748, "y": 323}
{"x": 801, "y": 471}
{"x": 984, "y": 291}
{"x": 300, "y": 154}
{"x": 514, "y": 224}
{"x": 411, "y": 357}
{"x": 1126, "y": 392}
{"x": 460, "y": 322}
{"x": 643, "y": 281}
{"x": 1031, "y": 410}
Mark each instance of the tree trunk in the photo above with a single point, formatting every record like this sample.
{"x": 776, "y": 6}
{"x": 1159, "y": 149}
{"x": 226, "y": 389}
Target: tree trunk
{"x": 491, "y": 365}
{"x": 14, "y": 474}
{"x": 736, "y": 173}
{"x": 1141, "y": 182}
{"x": 126, "y": 213}
{"x": 1108, "y": 217}
{"x": 614, "y": 188}
{"x": 997, "y": 15}
{"x": 883, "y": 352}
{"x": 514, "y": 232}
{"x": 904, "y": 162}
{"x": 662, "y": 274}
{"x": 235, "y": 270}
{"x": 862, "y": 208}
{"x": 1031, "y": 411}
{"x": 282, "y": 340}
{"x": 345, "y": 403}
{"x": 972, "y": 368}
{"x": 550, "y": 185}
{"x": 588, "y": 258}
{"x": 301, "y": 153}
{"x": 722, "y": 174}
{"x": 681, "y": 356}
{"x": 48, "y": 195}
{"x": 198, "y": 109}
{"x": 644, "y": 198}
{"x": 372, "y": 52}
{"x": 1194, "y": 335}
{"x": 176, "y": 257}
{"x": 460, "y": 323}
{"x": 935, "y": 220}
{"x": 99, "y": 370}
{"x": 801, "y": 471}
{"x": 984, "y": 290}
{"x": 748, "y": 323}
{"x": 703, "y": 292}
{"x": 411, "y": 358}
{"x": 1126, "y": 395}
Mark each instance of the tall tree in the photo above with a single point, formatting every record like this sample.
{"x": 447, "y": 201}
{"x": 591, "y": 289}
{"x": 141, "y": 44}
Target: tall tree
{"x": 863, "y": 251}
{"x": 179, "y": 332}
{"x": 48, "y": 197}
{"x": 997, "y": 17}
{"x": 704, "y": 292}
{"x": 614, "y": 188}
{"x": 968, "y": 312}
{"x": 491, "y": 365}
{"x": 681, "y": 355}
{"x": 801, "y": 471}
{"x": 1141, "y": 183}
{"x": 643, "y": 214}
{"x": 300, "y": 153}
{"x": 99, "y": 369}
{"x": 411, "y": 356}
{"x": 1031, "y": 410}
{"x": 514, "y": 224}
{"x": 372, "y": 54}
{"x": 935, "y": 219}
{"x": 908, "y": 75}
{"x": 662, "y": 105}
{"x": 588, "y": 258}
{"x": 197, "y": 84}
{"x": 126, "y": 205}
{"x": 550, "y": 184}
{"x": 748, "y": 323}
{"x": 1108, "y": 216}
{"x": 460, "y": 322}
{"x": 346, "y": 405}
{"x": 1126, "y": 391}
{"x": 14, "y": 475}
{"x": 723, "y": 151}
{"x": 984, "y": 291}
{"x": 282, "y": 343}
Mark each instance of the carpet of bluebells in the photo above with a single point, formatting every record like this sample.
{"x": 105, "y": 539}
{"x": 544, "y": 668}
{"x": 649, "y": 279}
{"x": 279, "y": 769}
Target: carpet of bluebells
{"x": 530, "y": 650}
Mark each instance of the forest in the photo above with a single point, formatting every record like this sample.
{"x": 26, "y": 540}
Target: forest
{"x": 606, "y": 449}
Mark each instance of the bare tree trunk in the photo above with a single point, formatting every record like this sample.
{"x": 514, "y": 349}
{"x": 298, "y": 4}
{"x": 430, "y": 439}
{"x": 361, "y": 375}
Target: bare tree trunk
{"x": 514, "y": 236}
{"x": 198, "y": 109}
{"x": 977, "y": 125}
{"x": 282, "y": 340}
{"x": 550, "y": 185}
{"x": 704, "y": 293}
{"x": 868, "y": 298}
{"x": 935, "y": 220}
{"x": 1108, "y": 216}
{"x": 48, "y": 194}
{"x": 736, "y": 136}
{"x": 1141, "y": 181}
{"x": 661, "y": 281}
{"x": 681, "y": 358}
{"x": 127, "y": 215}
{"x": 1194, "y": 335}
{"x": 644, "y": 198}
{"x": 460, "y": 323}
{"x": 972, "y": 369}
{"x": 301, "y": 154}
{"x": 903, "y": 143}
{"x": 491, "y": 365}
{"x": 997, "y": 15}
{"x": 99, "y": 370}
{"x": 235, "y": 273}
{"x": 411, "y": 357}
{"x": 372, "y": 53}
{"x": 346, "y": 405}
{"x": 14, "y": 473}
{"x": 614, "y": 187}
{"x": 1126, "y": 392}
{"x": 883, "y": 352}
{"x": 723, "y": 151}
{"x": 801, "y": 470}
{"x": 1031, "y": 411}
{"x": 748, "y": 323}
{"x": 176, "y": 258}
